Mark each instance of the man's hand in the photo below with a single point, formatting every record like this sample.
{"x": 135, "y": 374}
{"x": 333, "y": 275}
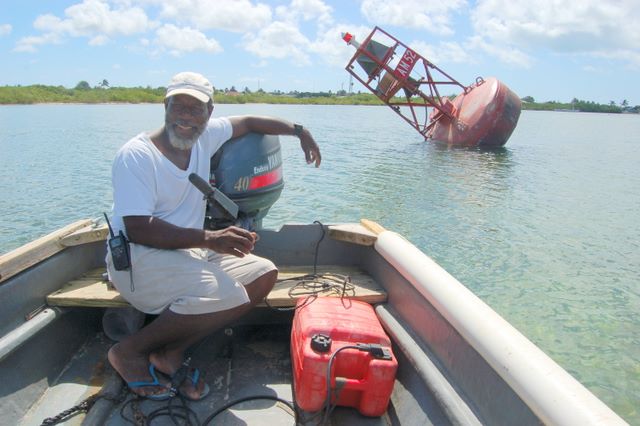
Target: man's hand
{"x": 232, "y": 240}
{"x": 275, "y": 126}
{"x": 310, "y": 148}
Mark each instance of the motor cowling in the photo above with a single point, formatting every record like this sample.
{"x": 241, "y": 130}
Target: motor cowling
{"x": 248, "y": 170}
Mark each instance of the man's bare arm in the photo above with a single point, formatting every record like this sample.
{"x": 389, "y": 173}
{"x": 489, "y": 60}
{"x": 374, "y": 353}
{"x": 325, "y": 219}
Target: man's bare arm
{"x": 154, "y": 232}
{"x": 276, "y": 126}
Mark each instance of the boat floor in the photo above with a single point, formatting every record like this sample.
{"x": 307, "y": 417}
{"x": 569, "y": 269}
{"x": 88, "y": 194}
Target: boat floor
{"x": 245, "y": 361}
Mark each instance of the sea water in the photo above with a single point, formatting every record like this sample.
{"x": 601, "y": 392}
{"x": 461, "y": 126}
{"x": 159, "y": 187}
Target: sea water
{"x": 545, "y": 230}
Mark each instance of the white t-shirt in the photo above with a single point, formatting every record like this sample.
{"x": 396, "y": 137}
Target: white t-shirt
{"x": 146, "y": 183}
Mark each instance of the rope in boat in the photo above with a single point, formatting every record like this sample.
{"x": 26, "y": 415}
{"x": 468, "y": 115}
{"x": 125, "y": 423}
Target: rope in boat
{"x": 314, "y": 285}
{"x": 179, "y": 412}
{"x": 309, "y": 285}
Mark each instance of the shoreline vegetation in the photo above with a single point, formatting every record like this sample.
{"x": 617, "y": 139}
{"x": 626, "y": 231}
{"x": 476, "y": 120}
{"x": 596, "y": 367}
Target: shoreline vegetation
{"x": 83, "y": 93}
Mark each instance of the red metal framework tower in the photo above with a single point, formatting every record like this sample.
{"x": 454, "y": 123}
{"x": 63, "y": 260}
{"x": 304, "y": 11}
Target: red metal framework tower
{"x": 409, "y": 84}
{"x": 387, "y": 69}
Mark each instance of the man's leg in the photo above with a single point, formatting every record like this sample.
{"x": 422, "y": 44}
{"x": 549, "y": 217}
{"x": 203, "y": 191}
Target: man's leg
{"x": 168, "y": 358}
{"x": 164, "y": 341}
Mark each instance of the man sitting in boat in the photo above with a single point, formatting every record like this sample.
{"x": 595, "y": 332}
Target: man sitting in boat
{"x": 195, "y": 280}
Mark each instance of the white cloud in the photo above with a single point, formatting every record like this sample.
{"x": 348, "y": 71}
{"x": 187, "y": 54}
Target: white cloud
{"x": 30, "y": 44}
{"x": 181, "y": 40}
{"x": 99, "y": 40}
{"x": 279, "y": 40}
{"x": 5, "y": 29}
{"x": 306, "y": 10}
{"x": 230, "y": 15}
{"x": 444, "y": 53}
{"x": 331, "y": 49}
{"x": 53, "y": 25}
{"x": 507, "y": 29}
{"x": 91, "y": 18}
{"x": 559, "y": 25}
{"x": 631, "y": 57}
{"x": 313, "y": 9}
{"x": 505, "y": 53}
{"x": 95, "y": 17}
{"x": 432, "y": 16}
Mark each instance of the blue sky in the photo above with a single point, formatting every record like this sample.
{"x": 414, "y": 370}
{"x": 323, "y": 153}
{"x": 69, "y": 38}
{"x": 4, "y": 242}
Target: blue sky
{"x": 548, "y": 49}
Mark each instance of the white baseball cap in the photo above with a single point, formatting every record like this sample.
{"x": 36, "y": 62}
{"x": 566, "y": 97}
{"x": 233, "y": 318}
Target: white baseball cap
{"x": 192, "y": 84}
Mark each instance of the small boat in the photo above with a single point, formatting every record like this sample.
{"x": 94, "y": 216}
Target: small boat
{"x": 458, "y": 361}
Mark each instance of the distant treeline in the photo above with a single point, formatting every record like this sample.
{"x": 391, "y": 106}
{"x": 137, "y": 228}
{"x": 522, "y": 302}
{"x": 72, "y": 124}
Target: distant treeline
{"x": 103, "y": 93}
{"x": 528, "y": 103}
{"x": 57, "y": 94}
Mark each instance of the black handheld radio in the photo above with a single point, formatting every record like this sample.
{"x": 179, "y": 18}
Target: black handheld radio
{"x": 119, "y": 247}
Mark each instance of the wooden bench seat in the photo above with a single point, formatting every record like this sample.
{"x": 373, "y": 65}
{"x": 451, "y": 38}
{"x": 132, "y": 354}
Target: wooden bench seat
{"x": 92, "y": 290}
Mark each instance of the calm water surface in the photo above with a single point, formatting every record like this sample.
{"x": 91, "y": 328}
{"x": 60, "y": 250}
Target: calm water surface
{"x": 546, "y": 230}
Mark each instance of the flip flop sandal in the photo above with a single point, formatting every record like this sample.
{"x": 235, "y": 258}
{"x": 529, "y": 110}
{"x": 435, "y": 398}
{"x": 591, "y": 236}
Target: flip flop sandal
{"x": 181, "y": 375}
{"x": 163, "y": 396}
{"x": 195, "y": 375}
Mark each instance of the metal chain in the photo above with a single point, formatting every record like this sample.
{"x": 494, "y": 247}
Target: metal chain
{"x": 83, "y": 406}
{"x": 138, "y": 416}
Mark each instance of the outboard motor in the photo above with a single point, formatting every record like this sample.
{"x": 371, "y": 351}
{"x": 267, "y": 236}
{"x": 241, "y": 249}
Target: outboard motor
{"x": 248, "y": 170}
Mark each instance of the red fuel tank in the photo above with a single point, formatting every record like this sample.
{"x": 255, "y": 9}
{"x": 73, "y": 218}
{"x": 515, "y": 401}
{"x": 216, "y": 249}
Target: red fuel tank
{"x": 364, "y": 379}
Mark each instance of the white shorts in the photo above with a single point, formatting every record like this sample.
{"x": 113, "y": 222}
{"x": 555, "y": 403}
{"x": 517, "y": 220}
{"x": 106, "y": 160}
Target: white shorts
{"x": 188, "y": 281}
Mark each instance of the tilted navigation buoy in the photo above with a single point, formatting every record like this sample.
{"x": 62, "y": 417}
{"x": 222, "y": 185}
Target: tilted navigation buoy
{"x": 485, "y": 113}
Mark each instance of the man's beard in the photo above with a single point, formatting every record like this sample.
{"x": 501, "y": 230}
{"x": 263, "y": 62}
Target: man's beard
{"x": 180, "y": 142}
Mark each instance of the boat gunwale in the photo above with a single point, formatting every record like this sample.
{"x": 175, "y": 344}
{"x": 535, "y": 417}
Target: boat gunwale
{"x": 554, "y": 396}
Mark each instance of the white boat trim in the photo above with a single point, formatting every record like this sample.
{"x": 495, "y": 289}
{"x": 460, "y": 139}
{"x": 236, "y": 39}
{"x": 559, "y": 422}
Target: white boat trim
{"x": 552, "y": 393}
{"x": 14, "y": 339}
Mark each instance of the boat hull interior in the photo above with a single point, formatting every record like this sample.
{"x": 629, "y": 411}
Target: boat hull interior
{"x": 57, "y": 358}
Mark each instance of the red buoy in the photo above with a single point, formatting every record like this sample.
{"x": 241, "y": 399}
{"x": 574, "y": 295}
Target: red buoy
{"x": 484, "y": 114}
